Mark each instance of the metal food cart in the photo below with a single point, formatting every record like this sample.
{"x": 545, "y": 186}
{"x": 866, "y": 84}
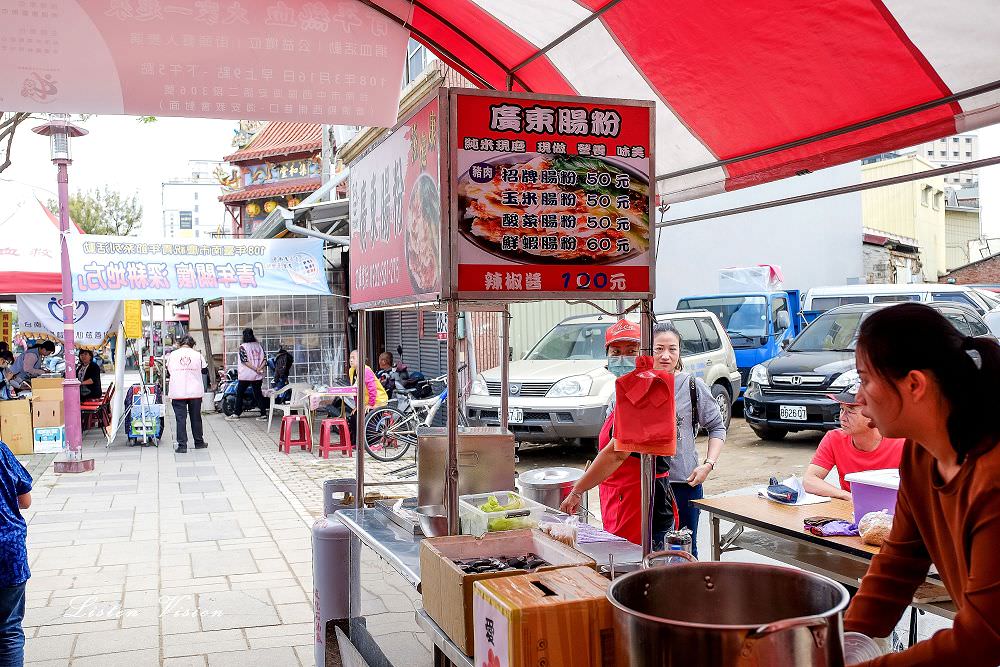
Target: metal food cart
{"x": 422, "y": 191}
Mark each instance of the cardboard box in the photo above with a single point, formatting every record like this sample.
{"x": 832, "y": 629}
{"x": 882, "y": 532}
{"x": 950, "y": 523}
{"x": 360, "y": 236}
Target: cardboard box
{"x": 46, "y": 383}
{"x": 20, "y": 407}
{"x": 536, "y": 619}
{"x": 47, "y": 413}
{"x": 49, "y": 439}
{"x": 17, "y": 434}
{"x": 47, "y": 394}
{"x": 447, "y": 591}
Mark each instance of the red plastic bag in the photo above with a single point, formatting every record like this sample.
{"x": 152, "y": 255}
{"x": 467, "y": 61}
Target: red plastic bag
{"x": 645, "y": 411}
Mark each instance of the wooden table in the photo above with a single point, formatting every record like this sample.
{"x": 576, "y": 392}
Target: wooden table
{"x": 776, "y": 531}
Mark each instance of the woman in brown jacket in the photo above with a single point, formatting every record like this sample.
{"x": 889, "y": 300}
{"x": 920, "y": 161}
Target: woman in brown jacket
{"x": 922, "y": 380}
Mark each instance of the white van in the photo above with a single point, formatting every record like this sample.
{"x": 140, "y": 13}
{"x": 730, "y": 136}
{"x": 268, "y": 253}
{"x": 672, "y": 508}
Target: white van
{"x": 822, "y": 299}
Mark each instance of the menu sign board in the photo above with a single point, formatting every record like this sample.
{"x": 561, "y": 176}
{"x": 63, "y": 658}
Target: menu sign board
{"x": 552, "y": 195}
{"x": 395, "y": 200}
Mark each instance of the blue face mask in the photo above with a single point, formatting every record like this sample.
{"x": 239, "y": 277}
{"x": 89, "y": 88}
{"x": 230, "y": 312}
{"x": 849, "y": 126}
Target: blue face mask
{"x": 620, "y": 366}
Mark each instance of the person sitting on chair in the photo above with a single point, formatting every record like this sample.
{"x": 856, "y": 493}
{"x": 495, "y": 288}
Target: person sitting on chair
{"x": 856, "y": 446}
{"x": 89, "y": 374}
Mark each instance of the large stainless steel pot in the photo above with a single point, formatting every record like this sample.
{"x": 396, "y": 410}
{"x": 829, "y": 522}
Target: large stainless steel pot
{"x": 727, "y": 614}
{"x": 550, "y": 486}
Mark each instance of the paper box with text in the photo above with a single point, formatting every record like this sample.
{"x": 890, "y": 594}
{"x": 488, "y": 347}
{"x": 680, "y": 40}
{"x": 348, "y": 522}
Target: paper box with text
{"x": 447, "y": 590}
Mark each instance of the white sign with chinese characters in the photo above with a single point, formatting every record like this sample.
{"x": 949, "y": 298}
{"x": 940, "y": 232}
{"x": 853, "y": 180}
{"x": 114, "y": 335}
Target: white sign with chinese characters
{"x": 337, "y": 62}
{"x": 40, "y": 316}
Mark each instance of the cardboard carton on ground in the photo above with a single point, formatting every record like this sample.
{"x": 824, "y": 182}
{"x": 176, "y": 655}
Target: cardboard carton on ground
{"x": 17, "y": 434}
{"x": 49, "y": 439}
{"x": 47, "y": 413}
{"x": 536, "y": 619}
{"x": 447, "y": 591}
{"x": 47, "y": 394}
{"x": 46, "y": 383}
{"x": 20, "y": 407}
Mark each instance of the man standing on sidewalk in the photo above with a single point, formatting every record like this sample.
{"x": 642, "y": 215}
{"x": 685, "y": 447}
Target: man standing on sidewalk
{"x": 186, "y": 367}
{"x": 15, "y": 495}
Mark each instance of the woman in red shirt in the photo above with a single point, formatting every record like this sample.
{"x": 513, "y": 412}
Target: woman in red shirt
{"x": 855, "y": 447}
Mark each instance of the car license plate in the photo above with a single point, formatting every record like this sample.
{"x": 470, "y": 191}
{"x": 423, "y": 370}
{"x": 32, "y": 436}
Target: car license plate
{"x": 515, "y": 415}
{"x": 792, "y": 412}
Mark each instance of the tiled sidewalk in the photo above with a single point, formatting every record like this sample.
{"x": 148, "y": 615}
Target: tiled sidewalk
{"x": 169, "y": 559}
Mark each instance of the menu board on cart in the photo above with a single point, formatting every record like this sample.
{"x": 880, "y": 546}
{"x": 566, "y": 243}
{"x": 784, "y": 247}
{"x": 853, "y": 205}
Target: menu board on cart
{"x": 551, "y": 196}
{"x": 396, "y": 214}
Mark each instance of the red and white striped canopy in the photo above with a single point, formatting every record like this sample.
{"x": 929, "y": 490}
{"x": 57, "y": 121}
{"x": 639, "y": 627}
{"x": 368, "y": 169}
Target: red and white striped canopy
{"x": 737, "y": 81}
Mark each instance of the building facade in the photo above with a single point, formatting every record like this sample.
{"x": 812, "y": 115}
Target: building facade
{"x": 280, "y": 165}
{"x": 949, "y": 151}
{"x": 889, "y": 259}
{"x": 815, "y": 243}
{"x": 191, "y": 206}
{"x": 985, "y": 271}
{"x": 963, "y": 225}
{"x": 913, "y": 210}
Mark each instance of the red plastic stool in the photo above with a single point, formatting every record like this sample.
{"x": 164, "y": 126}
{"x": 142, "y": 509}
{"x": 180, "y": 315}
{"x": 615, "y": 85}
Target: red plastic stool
{"x": 304, "y": 439}
{"x": 344, "y": 435}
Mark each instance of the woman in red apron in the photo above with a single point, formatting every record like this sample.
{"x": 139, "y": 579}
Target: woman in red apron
{"x": 621, "y": 494}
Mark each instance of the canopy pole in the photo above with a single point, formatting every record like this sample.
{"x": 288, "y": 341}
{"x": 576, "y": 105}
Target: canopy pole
{"x": 359, "y": 413}
{"x": 871, "y": 185}
{"x": 504, "y": 366}
{"x": 451, "y": 474}
{"x": 647, "y": 460}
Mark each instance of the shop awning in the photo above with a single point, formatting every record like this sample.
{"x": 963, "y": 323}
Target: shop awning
{"x": 747, "y": 92}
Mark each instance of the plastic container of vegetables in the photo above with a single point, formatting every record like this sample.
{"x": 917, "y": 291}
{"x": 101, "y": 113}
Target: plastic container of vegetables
{"x": 483, "y": 513}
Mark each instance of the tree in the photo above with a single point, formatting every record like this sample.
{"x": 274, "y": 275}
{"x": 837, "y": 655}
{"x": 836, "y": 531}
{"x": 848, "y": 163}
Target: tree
{"x": 9, "y": 123}
{"x": 103, "y": 212}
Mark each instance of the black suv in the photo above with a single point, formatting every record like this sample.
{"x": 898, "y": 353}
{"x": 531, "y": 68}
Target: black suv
{"x": 790, "y": 392}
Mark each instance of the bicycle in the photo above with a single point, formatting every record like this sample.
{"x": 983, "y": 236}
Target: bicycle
{"x": 389, "y": 431}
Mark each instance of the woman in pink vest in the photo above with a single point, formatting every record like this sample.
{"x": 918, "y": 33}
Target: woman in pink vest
{"x": 187, "y": 368}
{"x": 250, "y": 373}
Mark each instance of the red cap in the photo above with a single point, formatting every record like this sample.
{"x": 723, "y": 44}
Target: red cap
{"x": 622, "y": 330}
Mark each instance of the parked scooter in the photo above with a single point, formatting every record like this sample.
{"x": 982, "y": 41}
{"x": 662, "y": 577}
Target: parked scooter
{"x": 225, "y": 397}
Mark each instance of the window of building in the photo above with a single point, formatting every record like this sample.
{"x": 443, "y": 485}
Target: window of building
{"x": 954, "y": 153}
{"x": 943, "y": 153}
{"x": 925, "y": 195}
{"x": 968, "y": 140}
{"x": 938, "y": 198}
{"x": 195, "y": 207}
{"x": 943, "y": 141}
{"x": 930, "y": 153}
{"x": 968, "y": 153}
{"x": 954, "y": 140}
{"x": 196, "y": 196}
{"x": 416, "y": 60}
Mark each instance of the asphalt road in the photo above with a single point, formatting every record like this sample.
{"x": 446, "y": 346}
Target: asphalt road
{"x": 746, "y": 460}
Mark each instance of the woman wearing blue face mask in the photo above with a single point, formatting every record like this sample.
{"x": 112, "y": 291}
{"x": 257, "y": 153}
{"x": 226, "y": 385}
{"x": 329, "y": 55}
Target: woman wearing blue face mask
{"x": 679, "y": 478}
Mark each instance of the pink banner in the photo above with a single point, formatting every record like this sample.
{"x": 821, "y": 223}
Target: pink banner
{"x": 299, "y": 60}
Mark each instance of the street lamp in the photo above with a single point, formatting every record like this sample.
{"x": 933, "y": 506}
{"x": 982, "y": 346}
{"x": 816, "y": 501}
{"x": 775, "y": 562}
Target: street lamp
{"x": 60, "y": 130}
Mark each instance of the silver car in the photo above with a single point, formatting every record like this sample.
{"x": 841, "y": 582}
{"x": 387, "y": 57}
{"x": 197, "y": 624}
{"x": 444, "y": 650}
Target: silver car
{"x": 561, "y": 389}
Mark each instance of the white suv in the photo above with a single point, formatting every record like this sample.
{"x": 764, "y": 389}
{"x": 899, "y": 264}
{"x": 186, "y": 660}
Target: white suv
{"x": 561, "y": 389}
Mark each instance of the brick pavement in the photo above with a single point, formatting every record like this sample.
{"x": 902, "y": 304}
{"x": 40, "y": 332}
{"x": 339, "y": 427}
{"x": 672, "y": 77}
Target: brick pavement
{"x": 203, "y": 558}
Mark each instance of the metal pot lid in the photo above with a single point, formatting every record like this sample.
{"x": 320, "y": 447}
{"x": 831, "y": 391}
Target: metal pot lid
{"x": 549, "y": 478}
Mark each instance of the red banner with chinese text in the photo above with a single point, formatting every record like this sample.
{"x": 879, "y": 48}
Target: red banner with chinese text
{"x": 553, "y": 195}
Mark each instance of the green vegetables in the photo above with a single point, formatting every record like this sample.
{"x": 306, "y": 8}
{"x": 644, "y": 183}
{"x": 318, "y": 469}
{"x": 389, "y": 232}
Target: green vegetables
{"x": 492, "y": 505}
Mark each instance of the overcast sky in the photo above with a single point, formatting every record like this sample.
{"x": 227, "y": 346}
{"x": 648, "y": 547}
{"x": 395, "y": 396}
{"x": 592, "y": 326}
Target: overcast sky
{"x": 131, "y": 157}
